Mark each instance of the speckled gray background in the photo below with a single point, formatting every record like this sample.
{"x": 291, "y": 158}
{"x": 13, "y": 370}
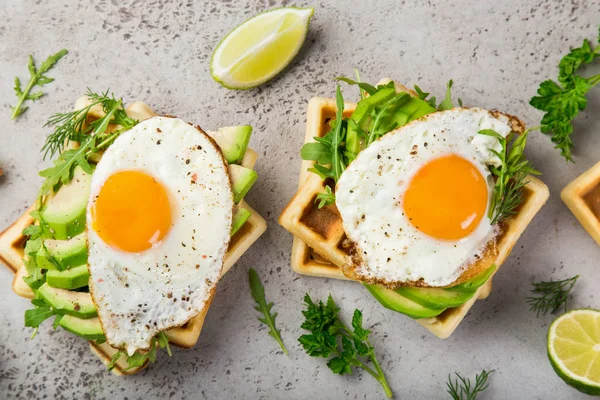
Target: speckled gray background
{"x": 159, "y": 51}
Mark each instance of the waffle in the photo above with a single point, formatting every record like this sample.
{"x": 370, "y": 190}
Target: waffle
{"x": 12, "y": 244}
{"x": 318, "y": 233}
{"x": 573, "y": 196}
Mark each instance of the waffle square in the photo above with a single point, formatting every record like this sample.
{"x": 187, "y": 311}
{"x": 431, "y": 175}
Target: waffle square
{"x": 574, "y": 194}
{"x": 318, "y": 233}
{"x": 12, "y": 244}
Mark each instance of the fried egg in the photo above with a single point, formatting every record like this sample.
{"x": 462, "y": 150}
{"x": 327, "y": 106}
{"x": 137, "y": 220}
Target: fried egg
{"x": 158, "y": 221}
{"x": 415, "y": 203}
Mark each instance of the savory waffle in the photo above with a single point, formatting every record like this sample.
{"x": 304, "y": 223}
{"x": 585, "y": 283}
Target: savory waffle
{"x": 12, "y": 244}
{"x": 318, "y": 233}
{"x": 577, "y": 196}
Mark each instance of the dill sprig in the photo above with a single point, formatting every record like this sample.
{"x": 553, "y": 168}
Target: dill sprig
{"x": 463, "y": 389}
{"x": 92, "y": 138}
{"x": 550, "y": 296}
{"x": 510, "y": 176}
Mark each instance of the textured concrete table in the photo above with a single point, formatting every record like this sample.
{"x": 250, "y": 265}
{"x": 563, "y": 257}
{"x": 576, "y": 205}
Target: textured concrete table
{"x": 159, "y": 52}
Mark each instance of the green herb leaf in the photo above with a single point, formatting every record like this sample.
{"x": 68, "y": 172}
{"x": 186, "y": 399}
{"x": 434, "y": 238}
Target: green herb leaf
{"x": 114, "y": 359}
{"x": 325, "y": 198}
{"x": 562, "y": 102}
{"x": 35, "y": 316}
{"x": 510, "y": 176}
{"x": 258, "y": 294}
{"x": 329, "y": 336}
{"x": 447, "y": 103}
{"x": 37, "y": 78}
{"x": 463, "y": 389}
{"x": 550, "y": 296}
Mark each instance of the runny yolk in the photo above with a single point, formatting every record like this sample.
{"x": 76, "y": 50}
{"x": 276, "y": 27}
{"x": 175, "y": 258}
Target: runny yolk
{"x": 132, "y": 211}
{"x": 446, "y": 198}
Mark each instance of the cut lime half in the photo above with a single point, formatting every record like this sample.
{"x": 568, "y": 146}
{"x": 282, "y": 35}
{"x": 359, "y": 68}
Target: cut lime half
{"x": 260, "y": 48}
{"x": 574, "y": 349}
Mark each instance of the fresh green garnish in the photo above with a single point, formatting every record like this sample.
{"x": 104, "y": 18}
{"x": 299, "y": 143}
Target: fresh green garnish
{"x": 258, "y": 294}
{"x": 382, "y": 111}
{"x": 37, "y": 78}
{"x": 562, "y": 101}
{"x": 328, "y": 151}
{"x": 325, "y": 198}
{"x": 331, "y": 337}
{"x": 92, "y": 138}
{"x": 463, "y": 389}
{"x": 138, "y": 359}
{"x": 510, "y": 176}
{"x": 550, "y": 296}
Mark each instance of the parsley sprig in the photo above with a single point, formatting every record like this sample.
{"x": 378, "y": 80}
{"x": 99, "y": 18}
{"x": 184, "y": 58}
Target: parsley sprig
{"x": 510, "y": 176}
{"x": 462, "y": 388}
{"x": 258, "y": 294}
{"x": 37, "y": 78}
{"x": 329, "y": 336}
{"x": 550, "y": 296}
{"x": 563, "y": 101}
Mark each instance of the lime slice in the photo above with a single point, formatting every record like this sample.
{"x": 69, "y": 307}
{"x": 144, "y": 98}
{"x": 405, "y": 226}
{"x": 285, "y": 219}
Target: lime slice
{"x": 574, "y": 349}
{"x": 260, "y": 48}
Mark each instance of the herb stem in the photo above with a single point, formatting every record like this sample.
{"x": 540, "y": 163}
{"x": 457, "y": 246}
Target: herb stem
{"x": 593, "y": 80}
{"x": 381, "y": 376}
{"x": 17, "y": 109}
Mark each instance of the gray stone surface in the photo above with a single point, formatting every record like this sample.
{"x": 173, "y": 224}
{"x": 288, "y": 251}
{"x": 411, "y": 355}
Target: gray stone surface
{"x": 159, "y": 51}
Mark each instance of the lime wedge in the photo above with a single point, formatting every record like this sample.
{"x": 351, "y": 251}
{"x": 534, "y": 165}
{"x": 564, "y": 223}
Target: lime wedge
{"x": 260, "y": 48}
{"x": 574, "y": 349}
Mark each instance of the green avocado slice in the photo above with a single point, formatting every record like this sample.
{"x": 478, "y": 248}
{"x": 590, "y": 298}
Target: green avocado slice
{"x": 78, "y": 304}
{"x": 434, "y": 297}
{"x": 67, "y": 253}
{"x": 240, "y": 216}
{"x": 474, "y": 283}
{"x": 396, "y": 302}
{"x": 64, "y": 212}
{"x": 242, "y": 179}
{"x": 233, "y": 141}
{"x": 70, "y": 279}
{"x": 89, "y": 329}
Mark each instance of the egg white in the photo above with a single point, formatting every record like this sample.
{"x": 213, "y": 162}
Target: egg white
{"x": 369, "y": 197}
{"x": 140, "y": 294}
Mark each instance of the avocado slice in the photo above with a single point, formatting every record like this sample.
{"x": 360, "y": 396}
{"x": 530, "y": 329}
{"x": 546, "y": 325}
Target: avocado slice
{"x": 415, "y": 108}
{"x": 364, "y": 107}
{"x": 396, "y": 302}
{"x": 67, "y": 253}
{"x": 242, "y": 179}
{"x": 89, "y": 329}
{"x": 240, "y": 216}
{"x": 233, "y": 141}
{"x": 78, "y": 304}
{"x": 435, "y": 297}
{"x": 475, "y": 282}
{"x": 70, "y": 279}
{"x": 64, "y": 212}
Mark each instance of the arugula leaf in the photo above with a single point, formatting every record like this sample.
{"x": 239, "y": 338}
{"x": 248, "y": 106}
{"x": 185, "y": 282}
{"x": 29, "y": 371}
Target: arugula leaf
{"x": 113, "y": 360}
{"x": 369, "y": 89}
{"x": 447, "y": 103}
{"x": 258, "y": 294}
{"x": 325, "y": 198}
{"x": 462, "y": 388}
{"x": 510, "y": 176}
{"x": 37, "y": 78}
{"x": 330, "y": 337}
{"x": 35, "y": 316}
{"x": 563, "y": 101}
{"x": 423, "y": 96}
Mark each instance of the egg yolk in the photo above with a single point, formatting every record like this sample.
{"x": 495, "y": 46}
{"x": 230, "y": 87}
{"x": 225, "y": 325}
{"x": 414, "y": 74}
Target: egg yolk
{"x": 446, "y": 198}
{"x": 132, "y": 211}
